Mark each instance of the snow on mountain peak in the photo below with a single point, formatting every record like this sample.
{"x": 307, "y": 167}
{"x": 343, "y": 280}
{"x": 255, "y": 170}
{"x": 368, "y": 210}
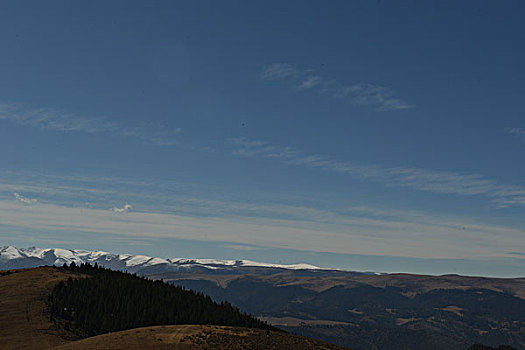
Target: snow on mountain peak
{"x": 132, "y": 263}
{"x": 10, "y": 252}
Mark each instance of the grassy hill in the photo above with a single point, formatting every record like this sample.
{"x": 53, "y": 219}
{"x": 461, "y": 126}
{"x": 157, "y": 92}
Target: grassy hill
{"x": 193, "y": 337}
{"x": 26, "y": 322}
{"x": 23, "y": 322}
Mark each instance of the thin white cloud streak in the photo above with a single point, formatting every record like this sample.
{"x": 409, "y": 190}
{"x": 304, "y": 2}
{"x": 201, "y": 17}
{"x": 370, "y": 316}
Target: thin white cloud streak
{"x": 353, "y": 230}
{"x": 163, "y": 200}
{"x": 311, "y": 82}
{"x": 380, "y": 98}
{"x": 52, "y": 119}
{"x": 163, "y": 196}
{"x": 126, "y": 208}
{"x": 278, "y": 71}
{"x": 420, "y": 238}
{"x": 518, "y": 132}
{"x": 428, "y": 180}
{"x": 23, "y": 199}
{"x": 240, "y": 247}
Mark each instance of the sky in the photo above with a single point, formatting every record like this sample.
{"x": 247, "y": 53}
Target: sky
{"x": 362, "y": 135}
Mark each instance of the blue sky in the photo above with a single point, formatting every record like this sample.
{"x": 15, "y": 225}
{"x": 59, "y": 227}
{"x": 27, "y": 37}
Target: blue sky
{"x": 362, "y": 135}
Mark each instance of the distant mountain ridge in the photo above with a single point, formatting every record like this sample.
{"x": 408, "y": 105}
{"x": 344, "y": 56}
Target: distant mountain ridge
{"x": 12, "y": 258}
{"x": 361, "y": 310}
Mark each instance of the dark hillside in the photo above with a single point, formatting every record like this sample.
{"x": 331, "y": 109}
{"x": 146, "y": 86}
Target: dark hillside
{"x": 109, "y": 301}
{"x": 389, "y": 317}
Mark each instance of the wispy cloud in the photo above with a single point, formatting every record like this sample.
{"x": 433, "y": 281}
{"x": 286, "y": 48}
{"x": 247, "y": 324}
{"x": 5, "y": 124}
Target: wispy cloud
{"x": 429, "y": 180}
{"x": 240, "y": 247}
{"x": 171, "y": 210}
{"x": 518, "y": 132}
{"x": 23, "y": 199}
{"x": 380, "y": 98}
{"x": 311, "y": 82}
{"x": 127, "y": 207}
{"x": 163, "y": 196}
{"x": 156, "y": 135}
{"x": 410, "y": 235}
{"x": 53, "y": 119}
{"x": 517, "y": 253}
{"x": 278, "y": 71}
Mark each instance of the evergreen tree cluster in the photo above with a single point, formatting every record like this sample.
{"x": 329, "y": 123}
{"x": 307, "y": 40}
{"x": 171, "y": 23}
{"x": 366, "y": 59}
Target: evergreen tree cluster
{"x": 109, "y": 301}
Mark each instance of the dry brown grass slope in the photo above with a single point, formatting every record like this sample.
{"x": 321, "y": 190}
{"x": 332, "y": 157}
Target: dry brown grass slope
{"x": 23, "y": 323}
{"x": 198, "y": 337}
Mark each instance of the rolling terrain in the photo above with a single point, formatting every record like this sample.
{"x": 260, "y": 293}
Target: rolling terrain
{"x": 448, "y": 312}
{"x": 25, "y": 322}
{"x": 356, "y": 309}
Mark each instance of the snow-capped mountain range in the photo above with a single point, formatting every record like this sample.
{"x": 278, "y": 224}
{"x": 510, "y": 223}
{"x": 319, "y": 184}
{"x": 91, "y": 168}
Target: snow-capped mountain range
{"x": 12, "y": 258}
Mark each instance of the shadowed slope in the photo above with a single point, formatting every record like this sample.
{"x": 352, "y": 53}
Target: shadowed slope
{"x": 112, "y": 301}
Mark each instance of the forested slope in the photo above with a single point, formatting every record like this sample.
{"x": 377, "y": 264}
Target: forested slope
{"x": 109, "y": 301}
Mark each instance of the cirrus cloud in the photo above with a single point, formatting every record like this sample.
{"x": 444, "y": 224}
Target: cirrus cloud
{"x": 380, "y": 98}
{"x": 54, "y": 119}
{"x": 421, "y": 179}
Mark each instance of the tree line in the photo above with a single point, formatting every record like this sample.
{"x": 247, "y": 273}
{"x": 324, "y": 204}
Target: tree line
{"x": 108, "y": 301}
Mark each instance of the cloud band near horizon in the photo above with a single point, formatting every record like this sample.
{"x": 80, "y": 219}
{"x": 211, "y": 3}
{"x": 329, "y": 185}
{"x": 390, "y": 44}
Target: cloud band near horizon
{"x": 420, "y": 179}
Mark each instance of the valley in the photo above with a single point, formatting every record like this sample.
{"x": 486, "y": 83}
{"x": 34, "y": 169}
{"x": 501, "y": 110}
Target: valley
{"x": 354, "y": 309}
